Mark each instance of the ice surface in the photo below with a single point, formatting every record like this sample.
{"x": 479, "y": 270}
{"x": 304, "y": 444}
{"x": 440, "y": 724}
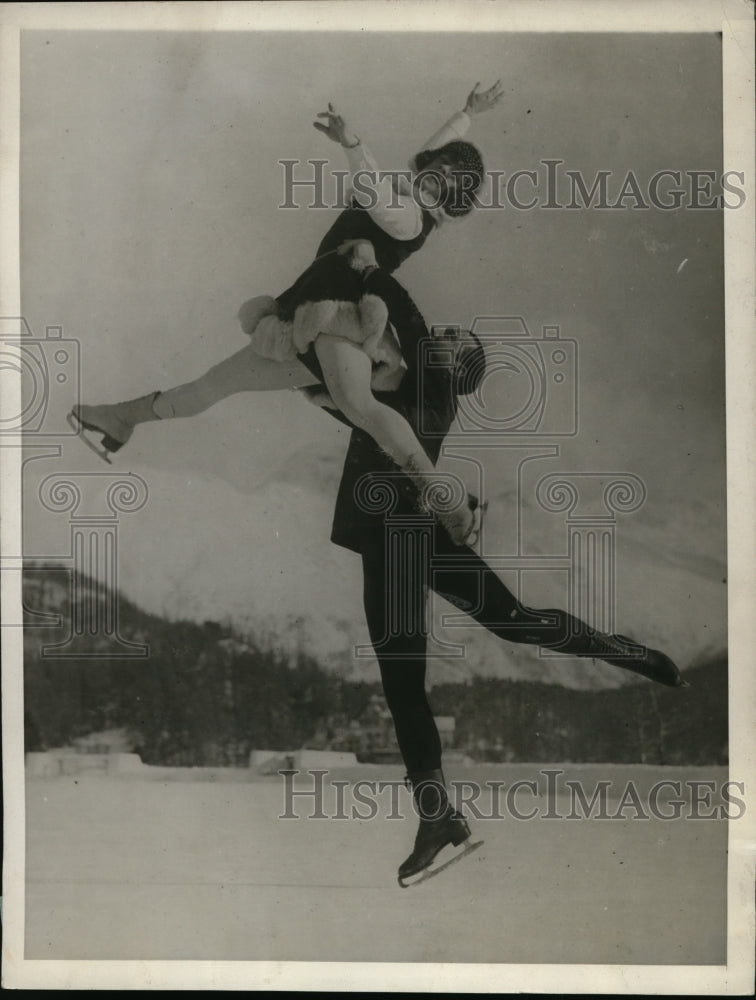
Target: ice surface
{"x": 134, "y": 869}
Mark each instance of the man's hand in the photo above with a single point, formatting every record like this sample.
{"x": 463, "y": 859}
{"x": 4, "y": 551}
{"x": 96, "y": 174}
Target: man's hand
{"x": 478, "y": 510}
{"x": 336, "y": 128}
{"x": 464, "y": 524}
{"x": 361, "y": 254}
{"x": 460, "y": 524}
{"x": 478, "y": 102}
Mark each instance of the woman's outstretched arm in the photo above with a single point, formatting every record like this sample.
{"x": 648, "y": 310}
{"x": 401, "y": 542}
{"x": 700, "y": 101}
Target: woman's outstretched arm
{"x": 458, "y": 125}
{"x": 398, "y": 214}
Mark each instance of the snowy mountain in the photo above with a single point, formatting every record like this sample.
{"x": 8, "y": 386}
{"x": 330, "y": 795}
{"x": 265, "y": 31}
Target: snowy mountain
{"x": 200, "y": 549}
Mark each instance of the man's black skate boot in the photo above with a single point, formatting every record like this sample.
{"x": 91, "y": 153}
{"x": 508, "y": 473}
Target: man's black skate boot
{"x": 440, "y": 823}
{"x": 623, "y": 652}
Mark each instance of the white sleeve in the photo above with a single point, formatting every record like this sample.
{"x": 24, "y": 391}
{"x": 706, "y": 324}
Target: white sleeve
{"x": 455, "y": 128}
{"x": 397, "y": 214}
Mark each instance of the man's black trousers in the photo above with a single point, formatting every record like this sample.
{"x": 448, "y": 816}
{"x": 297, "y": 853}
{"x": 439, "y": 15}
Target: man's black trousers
{"x": 400, "y": 564}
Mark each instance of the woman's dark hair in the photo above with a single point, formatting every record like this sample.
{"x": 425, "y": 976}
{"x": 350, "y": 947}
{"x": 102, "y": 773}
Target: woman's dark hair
{"x": 469, "y": 373}
{"x": 468, "y": 168}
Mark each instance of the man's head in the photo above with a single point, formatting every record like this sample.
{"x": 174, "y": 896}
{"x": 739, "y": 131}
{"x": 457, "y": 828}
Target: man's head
{"x": 467, "y": 359}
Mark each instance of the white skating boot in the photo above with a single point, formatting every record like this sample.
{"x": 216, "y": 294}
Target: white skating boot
{"x": 114, "y": 421}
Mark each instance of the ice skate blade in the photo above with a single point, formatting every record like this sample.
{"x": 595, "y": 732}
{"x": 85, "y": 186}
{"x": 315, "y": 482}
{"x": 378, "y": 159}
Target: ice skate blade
{"x": 429, "y": 872}
{"x": 81, "y": 433}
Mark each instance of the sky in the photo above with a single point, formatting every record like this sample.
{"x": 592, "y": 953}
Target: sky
{"x": 150, "y": 186}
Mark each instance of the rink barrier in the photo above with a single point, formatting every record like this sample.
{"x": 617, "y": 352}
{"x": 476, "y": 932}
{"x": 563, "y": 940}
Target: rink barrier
{"x": 266, "y": 765}
{"x": 62, "y": 762}
{"x": 271, "y": 762}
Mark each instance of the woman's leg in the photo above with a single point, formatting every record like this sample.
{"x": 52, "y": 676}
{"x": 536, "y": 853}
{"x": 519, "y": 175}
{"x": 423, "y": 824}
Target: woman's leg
{"x": 347, "y": 370}
{"x": 244, "y": 371}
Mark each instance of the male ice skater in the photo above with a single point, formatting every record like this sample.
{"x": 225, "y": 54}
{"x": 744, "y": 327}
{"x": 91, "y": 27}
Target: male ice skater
{"x": 372, "y": 494}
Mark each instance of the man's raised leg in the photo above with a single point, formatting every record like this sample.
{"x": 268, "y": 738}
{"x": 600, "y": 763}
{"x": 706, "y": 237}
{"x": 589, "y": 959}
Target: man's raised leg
{"x": 472, "y": 586}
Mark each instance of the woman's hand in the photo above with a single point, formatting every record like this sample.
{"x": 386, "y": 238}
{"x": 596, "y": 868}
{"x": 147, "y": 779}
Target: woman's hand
{"x": 479, "y": 102}
{"x": 336, "y": 128}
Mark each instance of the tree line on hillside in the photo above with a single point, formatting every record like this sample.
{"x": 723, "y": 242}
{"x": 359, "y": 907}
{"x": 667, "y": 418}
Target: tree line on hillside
{"x": 208, "y": 695}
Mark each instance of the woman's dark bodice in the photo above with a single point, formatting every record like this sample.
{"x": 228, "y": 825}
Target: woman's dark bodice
{"x": 356, "y": 223}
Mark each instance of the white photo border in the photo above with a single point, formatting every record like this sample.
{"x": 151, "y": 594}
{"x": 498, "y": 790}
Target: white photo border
{"x": 734, "y": 18}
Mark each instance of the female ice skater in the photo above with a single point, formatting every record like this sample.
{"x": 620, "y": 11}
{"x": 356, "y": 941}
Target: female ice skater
{"x": 326, "y": 327}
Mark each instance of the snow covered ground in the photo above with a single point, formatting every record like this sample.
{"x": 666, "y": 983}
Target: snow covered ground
{"x": 121, "y": 868}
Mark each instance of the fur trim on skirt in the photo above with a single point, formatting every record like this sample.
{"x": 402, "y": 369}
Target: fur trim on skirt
{"x": 364, "y": 322}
